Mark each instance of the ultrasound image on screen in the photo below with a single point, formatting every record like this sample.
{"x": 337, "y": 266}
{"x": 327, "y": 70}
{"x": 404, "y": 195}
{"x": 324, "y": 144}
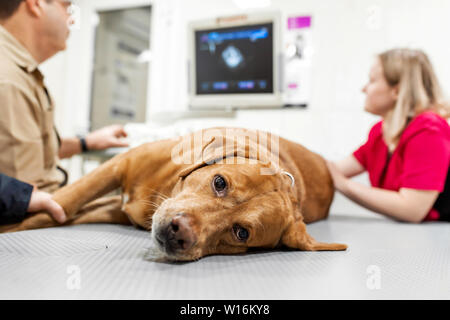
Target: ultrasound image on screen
{"x": 235, "y": 60}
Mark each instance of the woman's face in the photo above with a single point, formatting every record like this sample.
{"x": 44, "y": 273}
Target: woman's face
{"x": 380, "y": 96}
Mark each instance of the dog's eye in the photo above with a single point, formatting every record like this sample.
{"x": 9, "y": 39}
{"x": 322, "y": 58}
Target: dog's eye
{"x": 242, "y": 234}
{"x": 219, "y": 185}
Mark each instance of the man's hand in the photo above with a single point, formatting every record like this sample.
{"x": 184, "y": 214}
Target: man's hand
{"x": 107, "y": 137}
{"x": 42, "y": 201}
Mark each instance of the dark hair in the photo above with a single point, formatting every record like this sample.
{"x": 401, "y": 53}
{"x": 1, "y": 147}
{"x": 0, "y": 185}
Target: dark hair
{"x": 8, "y": 7}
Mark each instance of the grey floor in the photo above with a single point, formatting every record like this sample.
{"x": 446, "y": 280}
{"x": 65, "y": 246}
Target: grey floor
{"x": 385, "y": 260}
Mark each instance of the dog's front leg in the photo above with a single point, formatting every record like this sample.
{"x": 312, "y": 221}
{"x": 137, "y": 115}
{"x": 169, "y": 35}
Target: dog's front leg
{"x": 103, "y": 210}
{"x": 99, "y": 182}
{"x": 35, "y": 221}
{"x": 73, "y": 197}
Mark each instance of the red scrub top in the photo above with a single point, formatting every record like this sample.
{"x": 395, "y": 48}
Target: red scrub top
{"x": 420, "y": 161}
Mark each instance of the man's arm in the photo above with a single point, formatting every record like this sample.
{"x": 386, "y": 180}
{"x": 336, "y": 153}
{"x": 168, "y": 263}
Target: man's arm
{"x": 69, "y": 147}
{"x": 108, "y": 137}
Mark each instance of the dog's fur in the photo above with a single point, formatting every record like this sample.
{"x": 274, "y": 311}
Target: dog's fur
{"x": 274, "y": 187}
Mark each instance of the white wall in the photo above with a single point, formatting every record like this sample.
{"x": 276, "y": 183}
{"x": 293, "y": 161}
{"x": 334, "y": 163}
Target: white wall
{"x": 345, "y": 45}
{"x": 344, "y": 49}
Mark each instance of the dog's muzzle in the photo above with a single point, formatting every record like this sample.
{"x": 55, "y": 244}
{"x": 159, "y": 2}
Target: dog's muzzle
{"x": 177, "y": 236}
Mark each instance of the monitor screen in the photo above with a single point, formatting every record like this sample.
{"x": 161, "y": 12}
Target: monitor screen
{"x": 235, "y": 60}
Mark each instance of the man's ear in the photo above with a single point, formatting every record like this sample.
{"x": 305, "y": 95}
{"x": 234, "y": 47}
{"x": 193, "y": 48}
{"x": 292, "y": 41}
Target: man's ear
{"x": 296, "y": 237}
{"x": 34, "y": 7}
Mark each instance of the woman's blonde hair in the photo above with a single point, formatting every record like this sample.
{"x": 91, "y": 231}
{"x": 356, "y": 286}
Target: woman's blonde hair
{"x": 419, "y": 90}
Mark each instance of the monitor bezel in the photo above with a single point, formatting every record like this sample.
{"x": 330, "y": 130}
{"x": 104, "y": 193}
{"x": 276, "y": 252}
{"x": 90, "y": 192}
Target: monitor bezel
{"x": 240, "y": 100}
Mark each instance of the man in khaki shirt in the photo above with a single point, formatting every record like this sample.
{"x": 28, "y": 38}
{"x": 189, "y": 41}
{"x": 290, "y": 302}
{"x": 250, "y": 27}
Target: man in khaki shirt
{"x": 32, "y": 31}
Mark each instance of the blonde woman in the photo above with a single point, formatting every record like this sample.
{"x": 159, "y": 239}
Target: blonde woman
{"x": 407, "y": 154}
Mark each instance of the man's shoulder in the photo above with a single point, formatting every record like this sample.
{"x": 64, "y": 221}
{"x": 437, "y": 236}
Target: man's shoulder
{"x": 12, "y": 74}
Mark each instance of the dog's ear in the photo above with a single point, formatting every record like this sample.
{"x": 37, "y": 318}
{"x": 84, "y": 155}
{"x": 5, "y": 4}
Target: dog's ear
{"x": 194, "y": 156}
{"x": 216, "y": 144}
{"x": 296, "y": 237}
{"x": 243, "y": 146}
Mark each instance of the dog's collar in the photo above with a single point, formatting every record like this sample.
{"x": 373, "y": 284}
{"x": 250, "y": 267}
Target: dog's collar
{"x": 290, "y": 176}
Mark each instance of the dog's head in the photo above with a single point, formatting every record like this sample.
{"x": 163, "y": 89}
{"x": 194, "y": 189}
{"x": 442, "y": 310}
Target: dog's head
{"x": 222, "y": 209}
{"x": 227, "y": 206}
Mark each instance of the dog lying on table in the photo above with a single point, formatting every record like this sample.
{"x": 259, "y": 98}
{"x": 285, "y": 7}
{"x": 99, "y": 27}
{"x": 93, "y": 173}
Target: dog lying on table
{"x": 215, "y": 191}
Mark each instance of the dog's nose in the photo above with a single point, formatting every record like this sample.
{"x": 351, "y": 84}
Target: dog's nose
{"x": 184, "y": 237}
{"x": 179, "y": 234}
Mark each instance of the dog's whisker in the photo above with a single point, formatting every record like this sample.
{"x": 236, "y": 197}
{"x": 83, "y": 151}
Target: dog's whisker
{"x": 157, "y": 193}
{"x": 162, "y": 196}
{"x": 152, "y": 204}
{"x": 148, "y": 223}
{"x": 149, "y": 203}
{"x": 155, "y": 254}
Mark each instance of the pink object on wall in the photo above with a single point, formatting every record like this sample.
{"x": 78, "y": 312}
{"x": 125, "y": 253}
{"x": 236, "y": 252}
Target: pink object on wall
{"x": 299, "y": 22}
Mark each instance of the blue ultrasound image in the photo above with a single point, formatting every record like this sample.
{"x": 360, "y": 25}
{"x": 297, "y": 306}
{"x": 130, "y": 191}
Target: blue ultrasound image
{"x": 235, "y": 60}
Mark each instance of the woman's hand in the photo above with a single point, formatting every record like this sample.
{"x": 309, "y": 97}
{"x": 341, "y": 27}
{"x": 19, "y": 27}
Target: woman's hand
{"x": 107, "y": 137}
{"x": 42, "y": 201}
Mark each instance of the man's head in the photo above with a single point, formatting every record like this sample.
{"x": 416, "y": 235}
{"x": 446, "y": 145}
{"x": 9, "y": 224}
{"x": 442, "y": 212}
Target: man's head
{"x": 8, "y": 8}
{"x": 41, "y": 25}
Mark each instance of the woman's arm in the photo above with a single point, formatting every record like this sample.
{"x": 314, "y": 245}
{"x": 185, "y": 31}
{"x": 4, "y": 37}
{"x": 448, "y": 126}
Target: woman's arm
{"x": 406, "y": 205}
{"x": 350, "y": 167}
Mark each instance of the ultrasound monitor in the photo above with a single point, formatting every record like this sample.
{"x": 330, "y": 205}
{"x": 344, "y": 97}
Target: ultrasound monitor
{"x": 235, "y": 62}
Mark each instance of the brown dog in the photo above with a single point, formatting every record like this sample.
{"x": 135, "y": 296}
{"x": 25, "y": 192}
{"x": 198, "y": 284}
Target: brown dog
{"x": 216, "y": 191}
